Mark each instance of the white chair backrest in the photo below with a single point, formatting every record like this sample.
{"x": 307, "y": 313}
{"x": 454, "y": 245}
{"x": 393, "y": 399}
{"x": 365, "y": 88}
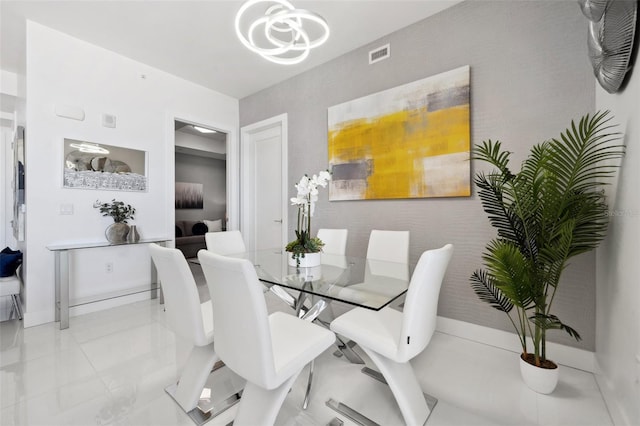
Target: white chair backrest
{"x": 181, "y": 300}
{"x": 392, "y": 246}
{"x": 242, "y": 334}
{"x": 421, "y": 303}
{"x": 227, "y": 242}
{"x": 335, "y": 240}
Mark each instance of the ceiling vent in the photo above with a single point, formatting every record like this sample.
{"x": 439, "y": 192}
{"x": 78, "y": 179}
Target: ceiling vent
{"x": 379, "y": 54}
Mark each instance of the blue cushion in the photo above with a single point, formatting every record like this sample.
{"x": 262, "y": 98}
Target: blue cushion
{"x": 9, "y": 262}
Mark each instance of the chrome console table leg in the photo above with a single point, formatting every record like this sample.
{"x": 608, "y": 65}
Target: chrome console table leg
{"x": 62, "y": 288}
{"x": 56, "y": 306}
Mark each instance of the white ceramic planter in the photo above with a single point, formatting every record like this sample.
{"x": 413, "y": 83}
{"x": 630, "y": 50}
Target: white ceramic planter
{"x": 541, "y": 380}
{"x": 308, "y": 261}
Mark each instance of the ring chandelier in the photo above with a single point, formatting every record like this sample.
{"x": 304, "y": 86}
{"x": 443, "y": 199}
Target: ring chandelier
{"x": 283, "y": 36}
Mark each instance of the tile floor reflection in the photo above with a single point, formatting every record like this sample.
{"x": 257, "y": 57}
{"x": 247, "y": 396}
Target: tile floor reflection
{"x": 111, "y": 368}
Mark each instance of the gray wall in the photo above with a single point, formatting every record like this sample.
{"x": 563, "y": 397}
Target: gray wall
{"x": 210, "y": 172}
{"x": 529, "y": 77}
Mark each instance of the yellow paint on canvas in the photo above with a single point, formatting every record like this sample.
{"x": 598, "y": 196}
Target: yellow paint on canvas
{"x": 397, "y": 142}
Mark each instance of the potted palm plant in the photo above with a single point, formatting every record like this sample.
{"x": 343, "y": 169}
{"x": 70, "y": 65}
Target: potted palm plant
{"x": 550, "y": 211}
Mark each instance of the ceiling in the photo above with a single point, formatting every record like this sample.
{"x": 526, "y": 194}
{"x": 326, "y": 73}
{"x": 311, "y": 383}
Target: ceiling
{"x": 189, "y": 129}
{"x": 196, "y": 40}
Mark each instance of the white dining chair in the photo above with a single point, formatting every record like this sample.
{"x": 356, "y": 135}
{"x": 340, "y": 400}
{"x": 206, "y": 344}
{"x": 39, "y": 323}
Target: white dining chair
{"x": 190, "y": 320}
{"x": 392, "y": 338}
{"x": 335, "y": 240}
{"x": 226, "y": 242}
{"x": 268, "y": 351}
{"x": 10, "y": 286}
{"x": 391, "y": 246}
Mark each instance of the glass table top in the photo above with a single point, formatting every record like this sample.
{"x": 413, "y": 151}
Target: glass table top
{"x": 361, "y": 282}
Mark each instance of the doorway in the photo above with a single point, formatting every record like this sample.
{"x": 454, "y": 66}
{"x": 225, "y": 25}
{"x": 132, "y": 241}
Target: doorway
{"x": 264, "y": 182}
{"x": 200, "y": 184}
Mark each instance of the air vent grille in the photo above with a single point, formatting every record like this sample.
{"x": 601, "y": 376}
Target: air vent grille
{"x": 379, "y": 54}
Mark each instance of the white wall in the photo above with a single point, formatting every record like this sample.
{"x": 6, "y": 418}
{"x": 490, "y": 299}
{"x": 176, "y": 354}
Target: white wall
{"x": 618, "y": 269}
{"x": 200, "y": 143}
{"x": 62, "y": 70}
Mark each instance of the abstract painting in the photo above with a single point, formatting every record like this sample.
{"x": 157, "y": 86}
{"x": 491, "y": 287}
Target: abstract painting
{"x": 189, "y": 195}
{"x": 411, "y": 141}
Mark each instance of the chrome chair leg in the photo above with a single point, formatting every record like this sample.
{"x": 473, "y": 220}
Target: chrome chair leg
{"x": 17, "y": 305}
{"x": 307, "y": 395}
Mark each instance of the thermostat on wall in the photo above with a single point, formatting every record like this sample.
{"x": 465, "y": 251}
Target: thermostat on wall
{"x": 109, "y": 120}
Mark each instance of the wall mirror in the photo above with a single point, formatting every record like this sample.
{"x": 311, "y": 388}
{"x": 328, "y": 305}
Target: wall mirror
{"x": 18, "y": 185}
{"x": 89, "y": 165}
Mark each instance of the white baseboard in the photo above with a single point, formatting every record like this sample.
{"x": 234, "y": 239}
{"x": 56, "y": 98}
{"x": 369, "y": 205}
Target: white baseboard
{"x": 564, "y": 355}
{"x": 32, "y": 319}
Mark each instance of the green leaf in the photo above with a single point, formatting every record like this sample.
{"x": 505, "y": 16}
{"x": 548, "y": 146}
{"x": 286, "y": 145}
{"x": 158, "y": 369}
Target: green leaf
{"x": 487, "y": 291}
{"x": 552, "y": 322}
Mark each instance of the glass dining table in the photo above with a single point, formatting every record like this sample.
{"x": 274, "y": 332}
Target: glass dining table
{"x": 366, "y": 283}
{"x": 359, "y": 282}
{"x": 356, "y": 281}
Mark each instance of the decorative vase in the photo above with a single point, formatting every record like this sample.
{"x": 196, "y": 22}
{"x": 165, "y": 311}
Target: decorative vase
{"x": 308, "y": 261}
{"x": 117, "y": 233}
{"x": 541, "y": 380}
{"x": 133, "y": 236}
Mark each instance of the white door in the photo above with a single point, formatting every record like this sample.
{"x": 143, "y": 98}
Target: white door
{"x": 264, "y": 177}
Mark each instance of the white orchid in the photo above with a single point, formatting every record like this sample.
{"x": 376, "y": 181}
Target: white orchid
{"x": 307, "y": 194}
{"x": 305, "y": 199}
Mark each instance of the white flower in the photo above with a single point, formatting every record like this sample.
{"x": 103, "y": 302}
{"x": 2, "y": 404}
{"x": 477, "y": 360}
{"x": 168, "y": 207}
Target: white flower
{"x": 298, "y": 201}
{"x": 323, "y": 178}
{"x": 304, "y": 186}
{"x": 307, "y": 195}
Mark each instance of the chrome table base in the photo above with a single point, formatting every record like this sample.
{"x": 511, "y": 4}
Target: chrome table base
{"x": 206, "y": 411}
{"x": 229, "y": 388}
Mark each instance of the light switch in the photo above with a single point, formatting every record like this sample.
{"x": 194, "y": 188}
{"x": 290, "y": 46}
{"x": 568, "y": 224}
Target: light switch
{"x": 66, "y": 209}
{"x": 109, "y": 120}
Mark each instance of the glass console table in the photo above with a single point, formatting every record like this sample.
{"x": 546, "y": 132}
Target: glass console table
{"x": 62, "y": 259}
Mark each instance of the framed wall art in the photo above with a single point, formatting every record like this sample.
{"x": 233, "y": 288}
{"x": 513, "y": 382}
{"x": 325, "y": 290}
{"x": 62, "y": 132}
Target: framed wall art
{"x": 411, "y": 141}
{"x": 189, "y": 195}
{"x": 88, "y": 165}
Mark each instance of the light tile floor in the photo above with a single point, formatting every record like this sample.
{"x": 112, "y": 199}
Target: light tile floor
{"x": 111, "y": 368}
